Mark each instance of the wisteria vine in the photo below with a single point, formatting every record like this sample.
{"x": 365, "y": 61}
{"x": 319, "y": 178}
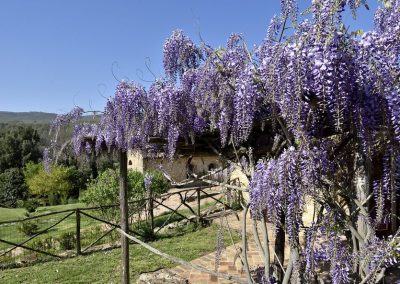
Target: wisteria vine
{"x": 334, "y": 96}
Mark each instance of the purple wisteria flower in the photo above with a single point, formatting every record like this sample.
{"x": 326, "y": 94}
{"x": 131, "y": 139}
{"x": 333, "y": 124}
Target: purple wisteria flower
{"x": 47, "y": 160}
{"x": 148, "y": 180}
{"x": 180, "y": 54}
{"x": 329, "y": 97}
{"x": 65, "y": 119}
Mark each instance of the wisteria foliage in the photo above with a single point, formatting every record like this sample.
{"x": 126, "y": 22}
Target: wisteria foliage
{"x": 323, "y": 88}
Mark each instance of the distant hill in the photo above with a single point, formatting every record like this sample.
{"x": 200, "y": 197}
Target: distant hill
{"x": 26, "y": 117}
{"x": 40, "y": 121}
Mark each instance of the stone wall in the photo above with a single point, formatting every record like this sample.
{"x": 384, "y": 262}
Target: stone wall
{"x": 177, "y": 168}
{"x": 135, "y": 161}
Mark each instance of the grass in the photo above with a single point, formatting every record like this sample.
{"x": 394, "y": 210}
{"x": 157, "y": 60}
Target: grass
{"x": 56, "y": 208}
{"x": 90, "y": 229}
{"x": 11, "y": 232}
{"x": 104, "y": 267}
{"x": 7, "y": 214}
{"x": 10, "y": 214}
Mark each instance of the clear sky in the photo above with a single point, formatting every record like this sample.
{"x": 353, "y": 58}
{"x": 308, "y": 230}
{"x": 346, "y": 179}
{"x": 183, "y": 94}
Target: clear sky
{"x": 55, "y": 54}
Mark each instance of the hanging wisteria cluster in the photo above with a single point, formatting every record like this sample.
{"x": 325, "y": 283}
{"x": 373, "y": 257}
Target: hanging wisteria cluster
{"x": 333, "y": 95}
{"x": 281, "y": 184}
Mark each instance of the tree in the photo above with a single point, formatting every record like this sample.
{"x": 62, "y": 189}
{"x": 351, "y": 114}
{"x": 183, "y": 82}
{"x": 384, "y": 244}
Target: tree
{"x": 159, "y": 183}
{"x": 328, "y": 99}
{"x": 55, "y": 186}
{"x": 12, "y": 187}
{"x": 104, "y": 189}
{"x": 19, "y": 146}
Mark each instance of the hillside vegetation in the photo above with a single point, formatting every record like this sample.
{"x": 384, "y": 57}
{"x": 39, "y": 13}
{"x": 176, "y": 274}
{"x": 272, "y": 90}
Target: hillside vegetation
{"x": 26, "y": 117}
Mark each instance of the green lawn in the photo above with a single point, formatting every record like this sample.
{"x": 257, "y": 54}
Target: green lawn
{"x": 56, "y": 208}
{"x": 11, "y": 231}
{"x": 104, "y": 267}
{"x": 7, "y": 214}
{"x": 10, "y": 214}
{"x": 90, "y": 230}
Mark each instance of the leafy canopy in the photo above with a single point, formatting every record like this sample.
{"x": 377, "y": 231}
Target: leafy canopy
{"x": 104, "y": 189}
{"x": 12, "y": 187}
{"x": 58, "y": 183}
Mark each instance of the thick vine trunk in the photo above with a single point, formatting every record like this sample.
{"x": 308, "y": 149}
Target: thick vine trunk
{"x": 393, "y": 197}
{"x": 362, "y": 184}
{"x": 293, "y": 260}
{"x": 280, "y": 249}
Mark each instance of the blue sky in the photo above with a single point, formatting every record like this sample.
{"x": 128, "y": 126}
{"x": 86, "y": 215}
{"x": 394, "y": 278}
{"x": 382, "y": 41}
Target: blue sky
{"x": 57, "y": 54}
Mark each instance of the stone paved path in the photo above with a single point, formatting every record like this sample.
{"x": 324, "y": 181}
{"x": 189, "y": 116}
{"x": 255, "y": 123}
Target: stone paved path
{"x": 227, "y": 264}
{"x": 173, "y": 201}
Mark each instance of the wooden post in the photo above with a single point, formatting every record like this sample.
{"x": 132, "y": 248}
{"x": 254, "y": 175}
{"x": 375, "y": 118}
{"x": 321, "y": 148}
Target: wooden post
{"x": 78, "y": 232}
{"x": 151, "y": 208}
{"x": 123, "y": 201}
{"x": 198, "y": 205}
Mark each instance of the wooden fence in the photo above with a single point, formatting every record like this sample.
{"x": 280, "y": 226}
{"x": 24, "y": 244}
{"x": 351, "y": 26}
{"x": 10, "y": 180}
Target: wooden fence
{"x": 78, "y": 231}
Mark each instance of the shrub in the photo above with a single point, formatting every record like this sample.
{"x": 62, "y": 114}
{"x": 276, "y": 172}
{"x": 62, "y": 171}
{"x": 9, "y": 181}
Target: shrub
{"x": 31, "y": 204}
{"x": 159, "y": 183}
{"x": 12, "y": 187}
{"x": 105, "y": 189}
{"x": 135, "y": 185}
{"x": 102, "y": 190}
{"x": 144, "y": 230}
{"x": 72, "y": 200}
{"x": 44, "y": 244}
{"x": 55, "y": 185}
{"x": 19, "y": 204}
{"x": 67, "y": 241}
{"x": 29, "y": 228}
{"x": 89, "y": 236}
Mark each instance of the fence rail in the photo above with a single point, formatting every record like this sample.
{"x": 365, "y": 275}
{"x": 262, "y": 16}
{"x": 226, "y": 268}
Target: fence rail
{"x": 72, "y": 232}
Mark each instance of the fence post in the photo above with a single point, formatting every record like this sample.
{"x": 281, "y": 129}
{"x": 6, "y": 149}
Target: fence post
{"x": 123, "y": 200}
{"x": 198, "y": 205}
{"x": 78, "y": 232}
{"x": 151, "y": 208}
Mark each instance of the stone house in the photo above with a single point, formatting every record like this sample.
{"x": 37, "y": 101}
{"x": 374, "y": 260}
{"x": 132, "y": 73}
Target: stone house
{"x": 179, "y": 169}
